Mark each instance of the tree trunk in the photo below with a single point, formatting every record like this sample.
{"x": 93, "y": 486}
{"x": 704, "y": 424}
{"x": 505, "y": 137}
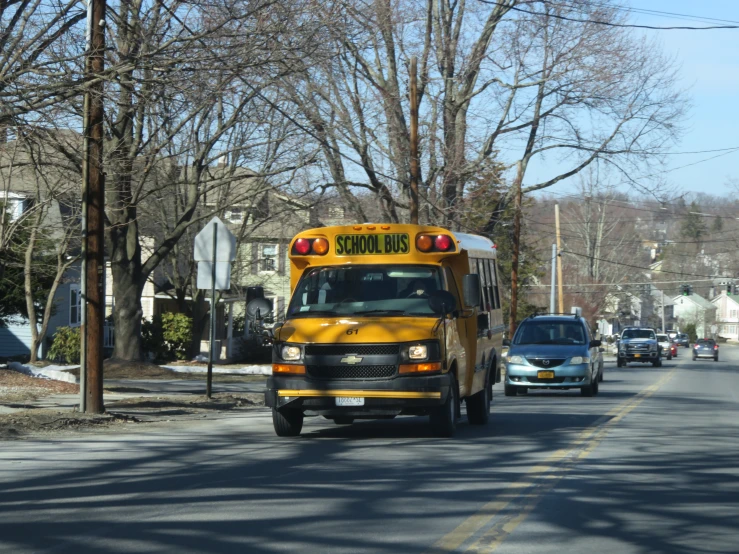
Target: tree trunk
{"x": 128, "y": 280}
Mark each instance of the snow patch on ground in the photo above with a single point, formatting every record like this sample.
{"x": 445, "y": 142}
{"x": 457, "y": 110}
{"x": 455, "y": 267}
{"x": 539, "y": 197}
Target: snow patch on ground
{"x": 247, "y": 370}
{"x": 56, "y": 372}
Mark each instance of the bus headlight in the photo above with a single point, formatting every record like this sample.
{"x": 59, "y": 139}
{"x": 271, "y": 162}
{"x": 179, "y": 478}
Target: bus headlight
{"x": 291, "y": 353}
{"x": 418, "y": 352}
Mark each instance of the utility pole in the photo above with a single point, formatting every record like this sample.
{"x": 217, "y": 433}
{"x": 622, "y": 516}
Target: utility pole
{"x": 512, "y": 323}
{"x": 662, "y": 297}
{"x": 414, "y": 144}
{"x": 559, "y": 261}
{"x": 93, "y": 199}
{"x": 554, "y": 279}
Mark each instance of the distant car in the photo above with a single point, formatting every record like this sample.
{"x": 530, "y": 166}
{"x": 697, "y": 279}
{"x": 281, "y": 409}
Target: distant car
{"x": 638, "y": 344}
{"x": 666, "y": 345}
{"x": 705, "y": 348}
{"x": 673, "y": 349}
{"x": 553, "y": 352}
{"x": 682, "y": 340}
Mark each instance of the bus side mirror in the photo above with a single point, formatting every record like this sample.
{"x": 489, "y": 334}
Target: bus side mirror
{"x": 442, "y": 302}
{"x": 506, "y": 342}
{"x": 471, "y": 286}
{"x": 594, "y": 343}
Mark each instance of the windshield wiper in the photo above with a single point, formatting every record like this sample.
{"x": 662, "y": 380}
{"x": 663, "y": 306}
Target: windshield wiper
{"x": 365, "y": 312}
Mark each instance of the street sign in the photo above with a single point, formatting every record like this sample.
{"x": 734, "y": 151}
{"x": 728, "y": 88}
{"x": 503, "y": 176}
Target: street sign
{"x": 215, "y": 249}
{"x": 214, "y": 244}
{"x": 223, "y": 275}
{"x": 225, "y": 243}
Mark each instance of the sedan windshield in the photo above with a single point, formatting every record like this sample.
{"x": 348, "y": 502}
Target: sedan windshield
{"x": 549, "y": 332}
{"x": 365, "y": 290}
{"x": 637, "y": 334}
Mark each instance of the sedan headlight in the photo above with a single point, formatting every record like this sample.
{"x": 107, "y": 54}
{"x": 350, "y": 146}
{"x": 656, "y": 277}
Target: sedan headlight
{"x": 515, "y": 359}
{"x": 418, "y": 352}
{"x": 290, "y": 353}
{"x": 579, "y": 360}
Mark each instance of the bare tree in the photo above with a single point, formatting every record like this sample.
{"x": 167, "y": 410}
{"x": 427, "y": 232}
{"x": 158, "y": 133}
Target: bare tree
{"x": 187, "y": 75}
{"x": 49, "y": 220}
{"x": 38, "y": 53}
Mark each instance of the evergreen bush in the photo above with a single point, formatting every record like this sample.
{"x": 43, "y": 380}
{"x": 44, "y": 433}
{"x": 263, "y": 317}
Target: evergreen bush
{"x": 66, "y": 345}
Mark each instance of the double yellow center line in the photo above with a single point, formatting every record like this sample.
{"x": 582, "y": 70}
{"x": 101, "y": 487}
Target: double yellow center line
{"x": 479, "y": 533}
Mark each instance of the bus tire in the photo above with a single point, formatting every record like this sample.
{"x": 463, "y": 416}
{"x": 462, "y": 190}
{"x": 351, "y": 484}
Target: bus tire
{"x": 443, "y": 419}
{"x": 287, "y": 423}
{"x": 478, "y": 405}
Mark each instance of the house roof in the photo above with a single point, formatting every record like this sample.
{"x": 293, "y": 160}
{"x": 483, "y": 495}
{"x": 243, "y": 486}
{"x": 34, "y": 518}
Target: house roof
{"x": 723, "y": 294}
{"x": 698, "y": 300}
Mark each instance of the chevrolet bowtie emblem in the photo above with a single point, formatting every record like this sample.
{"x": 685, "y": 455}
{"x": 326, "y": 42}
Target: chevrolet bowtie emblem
{"x": 351, "y": 360}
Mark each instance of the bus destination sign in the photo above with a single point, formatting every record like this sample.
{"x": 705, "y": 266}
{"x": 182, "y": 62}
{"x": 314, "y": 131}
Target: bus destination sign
{"x": 352, "y": 245}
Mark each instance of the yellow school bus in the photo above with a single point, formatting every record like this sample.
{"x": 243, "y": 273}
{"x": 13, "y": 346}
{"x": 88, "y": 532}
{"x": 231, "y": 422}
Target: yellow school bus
{"x": 387, "y": 320}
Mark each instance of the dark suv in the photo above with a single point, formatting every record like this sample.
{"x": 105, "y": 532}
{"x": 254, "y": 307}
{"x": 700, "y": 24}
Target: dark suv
{"x": 639, "y": 344}
{"x": 681, "y": 339}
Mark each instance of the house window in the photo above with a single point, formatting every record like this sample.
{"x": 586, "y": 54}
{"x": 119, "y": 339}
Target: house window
{"x": 268, "y": 257}
{"x": 235, "y": 215}
{"x": 75, "y": 306}
{"x": 733, "y": 313}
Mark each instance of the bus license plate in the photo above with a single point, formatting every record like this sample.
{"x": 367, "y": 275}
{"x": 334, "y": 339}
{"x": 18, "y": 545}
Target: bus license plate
{"x": 391, "y": 243}
{"x": 351, "y": 401}
{"x": 637, "y": 355}
{"x": 545, "y": 375}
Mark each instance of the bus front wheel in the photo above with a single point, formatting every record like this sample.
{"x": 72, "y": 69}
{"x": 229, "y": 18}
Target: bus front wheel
{"x": 478, "y": 406}
{"x": 444, "y": 418}
{"x": 287, "y": 423}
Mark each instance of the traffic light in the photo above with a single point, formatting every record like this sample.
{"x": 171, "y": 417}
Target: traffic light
{"x": 684, "y": 290}
{"x": 730, "y": 289}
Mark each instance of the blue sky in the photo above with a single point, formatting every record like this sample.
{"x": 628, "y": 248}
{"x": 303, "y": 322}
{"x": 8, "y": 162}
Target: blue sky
{"x": 710, "y": 70}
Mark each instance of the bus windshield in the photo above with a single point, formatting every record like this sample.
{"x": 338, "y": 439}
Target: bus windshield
{"x": 401, "y": 290}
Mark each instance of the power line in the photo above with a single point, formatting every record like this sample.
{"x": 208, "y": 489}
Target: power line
{"x": 607, "y": 23}
{"x": 643, "y": 268}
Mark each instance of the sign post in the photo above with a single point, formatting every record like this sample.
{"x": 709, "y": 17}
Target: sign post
{"x": 214, "y": 259}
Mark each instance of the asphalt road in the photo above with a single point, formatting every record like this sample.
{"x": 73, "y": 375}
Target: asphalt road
{"x": 649, "y": 465}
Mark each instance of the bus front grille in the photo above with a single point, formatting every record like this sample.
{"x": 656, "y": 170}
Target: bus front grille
{"x": 357, "y": 349}
{"x": 351, "y": 372}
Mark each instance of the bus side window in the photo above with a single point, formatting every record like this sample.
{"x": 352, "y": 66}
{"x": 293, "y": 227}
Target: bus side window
{"x": 496, "y": 290}
{"x": 484, "y": 299}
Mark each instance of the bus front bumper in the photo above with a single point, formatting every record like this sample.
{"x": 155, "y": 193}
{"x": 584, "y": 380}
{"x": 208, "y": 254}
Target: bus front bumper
{"x": 358, "y": 398}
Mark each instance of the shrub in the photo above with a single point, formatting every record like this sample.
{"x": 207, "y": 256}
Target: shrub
{"x": 167, "y": 336}
{"x": 691, "y": 332}
{"x": 66, "y": 345}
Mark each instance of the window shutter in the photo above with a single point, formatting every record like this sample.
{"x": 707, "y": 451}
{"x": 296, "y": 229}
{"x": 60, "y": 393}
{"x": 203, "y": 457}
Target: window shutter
{"x": 254, "y": 265}
{"x": 281, "y": 255}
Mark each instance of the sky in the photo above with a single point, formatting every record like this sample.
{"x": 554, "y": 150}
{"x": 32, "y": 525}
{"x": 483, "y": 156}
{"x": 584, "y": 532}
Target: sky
{"x": 710, "y": 72}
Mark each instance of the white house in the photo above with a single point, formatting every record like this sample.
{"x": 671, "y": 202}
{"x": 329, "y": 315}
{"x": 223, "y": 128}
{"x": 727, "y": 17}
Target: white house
{"x": 727, "y": 315}
{"x": 696, "y": 310}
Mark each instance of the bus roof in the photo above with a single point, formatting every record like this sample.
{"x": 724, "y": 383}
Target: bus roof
{"x": 475, "y": 243}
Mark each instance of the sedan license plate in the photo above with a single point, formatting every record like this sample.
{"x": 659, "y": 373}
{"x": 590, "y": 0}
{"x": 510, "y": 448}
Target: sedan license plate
{"x": 545, "y": 375}
{"x": 637, "y": 355}
{"x": 351, "y": 401}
